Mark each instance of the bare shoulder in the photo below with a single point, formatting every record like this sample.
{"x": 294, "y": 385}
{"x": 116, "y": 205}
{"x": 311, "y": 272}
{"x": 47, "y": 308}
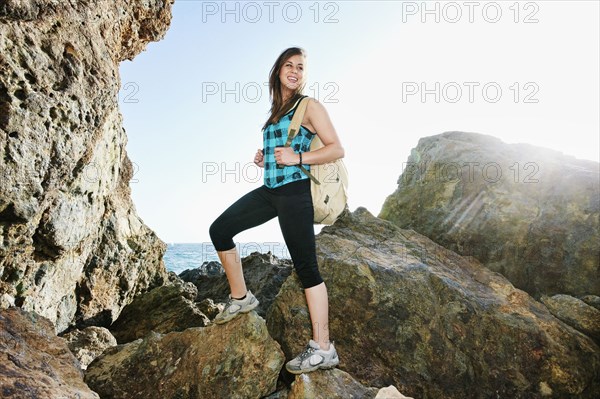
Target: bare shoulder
{"x": 317, "y": 120}
{"x": 314, "y": 106}
{"x": 315, "y": 112}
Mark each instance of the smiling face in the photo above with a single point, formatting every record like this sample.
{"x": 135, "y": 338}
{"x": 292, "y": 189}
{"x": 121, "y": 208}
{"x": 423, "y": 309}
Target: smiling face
{"x": 291, "y": 74}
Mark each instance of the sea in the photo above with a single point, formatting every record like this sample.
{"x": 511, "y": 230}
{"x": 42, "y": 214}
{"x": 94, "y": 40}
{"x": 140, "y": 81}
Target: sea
{"x": 183, "y": 256}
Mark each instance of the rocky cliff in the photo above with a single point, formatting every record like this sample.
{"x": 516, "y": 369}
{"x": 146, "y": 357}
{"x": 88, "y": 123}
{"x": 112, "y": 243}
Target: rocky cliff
{"x": 72, "y": 247}
{"x": 527, "y": 212}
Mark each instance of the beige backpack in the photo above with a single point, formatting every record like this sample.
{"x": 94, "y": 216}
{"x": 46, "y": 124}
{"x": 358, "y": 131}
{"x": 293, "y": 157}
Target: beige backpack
{"x": 329, "y": 181}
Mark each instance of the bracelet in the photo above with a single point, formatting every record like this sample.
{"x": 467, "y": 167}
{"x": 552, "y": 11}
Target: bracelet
{"x": 300, "y": 162}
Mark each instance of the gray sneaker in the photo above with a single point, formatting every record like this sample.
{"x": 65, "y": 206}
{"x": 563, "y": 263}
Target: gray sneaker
{"x": 234, "y": 307}
{"x": 313, "y": 358}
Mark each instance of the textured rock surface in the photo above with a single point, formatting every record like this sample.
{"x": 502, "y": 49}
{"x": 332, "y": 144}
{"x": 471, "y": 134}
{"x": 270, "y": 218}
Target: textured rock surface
{"x": 264, "y": 275}
{"x": 592, "y": 300}
{"x": 527, "y": 212}
{"x": 35, "y": 363}
{"x": 390, "y": 392}
{"x": 164, "y": 309}
{"x": 281, "y": 393}
{"x": 407, "y": 312}
{"x": 575, "y": 313}
{"x": 88, "y": 343}
{"x": 234, "y": 360}
{"x": 330, "y": 384}
{"x": 209, "y": 308}
{"x": 71, "y": 245}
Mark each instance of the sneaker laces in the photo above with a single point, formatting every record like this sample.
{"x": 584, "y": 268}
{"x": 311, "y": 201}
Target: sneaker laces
{"x": 306, "y": 352}
{"x": 228, "y": 304}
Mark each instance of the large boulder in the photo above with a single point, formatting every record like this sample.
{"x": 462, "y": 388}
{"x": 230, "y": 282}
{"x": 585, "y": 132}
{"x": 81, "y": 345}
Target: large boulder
{"x": 72, "y": 247}
{"x": 35, "y": 363}
{"x": 163, "y": 309}
{"x": 407, "y": 312}
{"x": 527, "y": 212}
{"x": 234, "y": 360}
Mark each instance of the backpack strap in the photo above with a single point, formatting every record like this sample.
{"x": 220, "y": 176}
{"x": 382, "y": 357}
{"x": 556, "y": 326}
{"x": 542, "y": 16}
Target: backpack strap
{"x": 296, "y": 120}
{"x": 296, "y": 103}
{"x": 293, "y": 130}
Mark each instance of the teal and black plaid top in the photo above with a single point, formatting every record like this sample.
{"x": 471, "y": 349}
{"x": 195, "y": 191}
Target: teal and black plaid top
{"x": 276, "y": 135}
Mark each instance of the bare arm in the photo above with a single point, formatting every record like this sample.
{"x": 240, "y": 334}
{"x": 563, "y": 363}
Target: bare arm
{"x": 332, "y": 147}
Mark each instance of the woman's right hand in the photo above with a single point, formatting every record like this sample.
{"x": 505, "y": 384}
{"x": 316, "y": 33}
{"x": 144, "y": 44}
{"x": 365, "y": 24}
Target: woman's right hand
{"x": 259, "y": 159}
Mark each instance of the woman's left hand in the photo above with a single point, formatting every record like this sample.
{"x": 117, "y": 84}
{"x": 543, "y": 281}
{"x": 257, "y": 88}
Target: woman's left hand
{"x": 286, "y": 156}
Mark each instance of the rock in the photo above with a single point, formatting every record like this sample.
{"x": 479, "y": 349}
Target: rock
{"x": 234, "y": 360}
{"x": 264, "y": 275}
{"x": 173, "y": 278}
{"x": 6, "y": 301}
{"x": 35, "y": 363}
{"x": 73, "y": 248}
{"x": 89, "y": 343}
{"x": 209, "y": 268}
{"x": 592, "y": 300}
{"x": 281, "y": 393}
{"x": 529, "y": 213}
{"x": 164, "y": 309}
{"x": 407, "y": 312}
{"x": 329, "y": 384}
{"x": 209, "y": 308}
{"x": 390, "y": 392}
{"x": 575, "y": 313}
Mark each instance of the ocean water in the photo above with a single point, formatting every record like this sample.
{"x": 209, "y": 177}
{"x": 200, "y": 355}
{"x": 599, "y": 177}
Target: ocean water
{"x": 183, "y": 256}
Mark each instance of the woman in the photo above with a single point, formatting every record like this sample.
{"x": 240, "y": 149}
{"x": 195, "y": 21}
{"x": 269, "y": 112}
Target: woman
{"x": 285, "y": 194}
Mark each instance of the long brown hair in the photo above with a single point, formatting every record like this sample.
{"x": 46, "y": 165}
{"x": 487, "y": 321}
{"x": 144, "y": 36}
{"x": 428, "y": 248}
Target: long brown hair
{"x": 278, "y": 107}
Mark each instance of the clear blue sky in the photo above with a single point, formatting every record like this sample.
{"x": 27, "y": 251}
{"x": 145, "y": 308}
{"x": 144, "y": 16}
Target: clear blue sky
{"x": 192, "y": 143}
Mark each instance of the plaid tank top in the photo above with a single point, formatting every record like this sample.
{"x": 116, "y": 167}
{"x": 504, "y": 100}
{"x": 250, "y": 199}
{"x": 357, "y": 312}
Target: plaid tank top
{"x": 275, "y": 135}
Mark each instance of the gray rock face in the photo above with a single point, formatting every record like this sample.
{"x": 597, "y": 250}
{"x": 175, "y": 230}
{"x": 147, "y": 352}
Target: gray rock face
{"x": 71, "y": 245}
{"x": 527, "y": 212}
{"x": 235, "y": 360}
{"x": 35, "y": 363}
{"x": 405, "y": 311}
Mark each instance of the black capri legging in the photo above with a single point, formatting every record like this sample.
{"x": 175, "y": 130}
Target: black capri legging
{"x": 292, "y": 203}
